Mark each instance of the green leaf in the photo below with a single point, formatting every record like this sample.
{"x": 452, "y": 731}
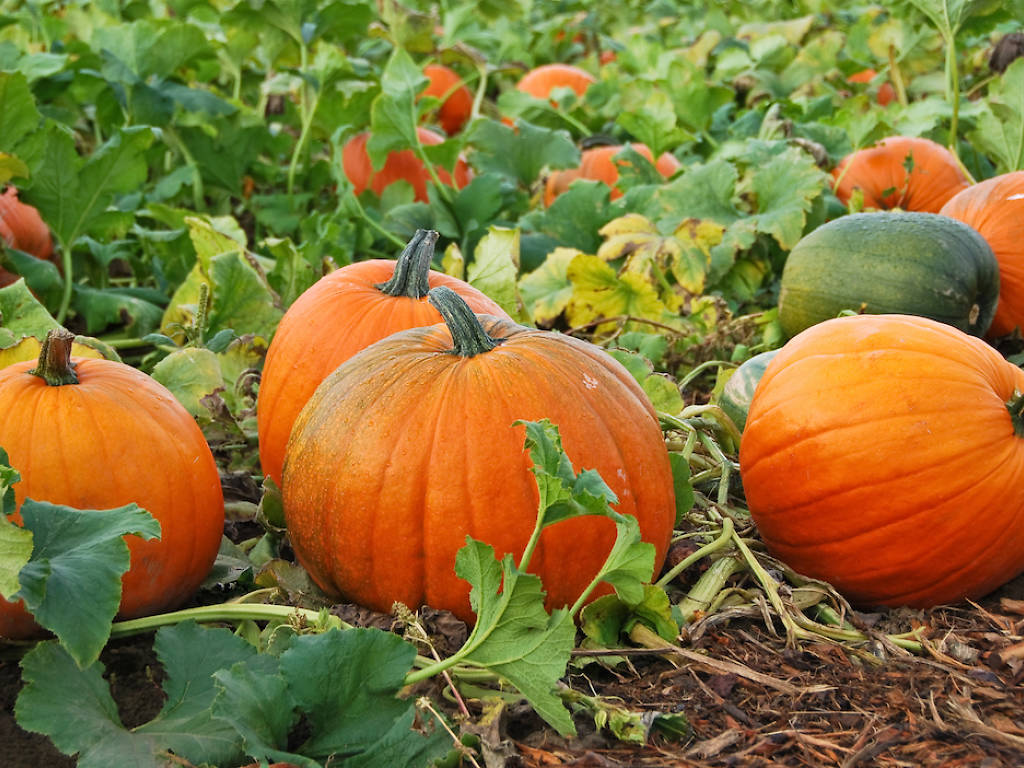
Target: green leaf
{"x": 662, "y": 391}
{"x": 393, "y": 116}
{"x": 513, "y": 635}
{"x": 190, "y": 374}
{"x": 74, "y": 708}
{"x": 576, "y": 215}
{"x": 1000, "y": 131}
{"x": 949, "y": 15}
{"x": 546, "y": 291}
{"x": 608, "y": 619}
{"x": 652, "y": 121}
{"x": 346, "y": 683}
{"x": 190, "y": 655}
{"x": 630, "y": 564}
{"x": 785, "y": 189}
{"x": 522, "y": 153}
{"x": 72, "y": 194}
{"x": 495, "y": 266}
{"x": 685, "y": 496}
{"x": 42, "y": 277}
{"x": 701, "y": 191}
{"x": 72, "y": 583}
{"x": 101, "y": 308}
{"x": 292, "y": 273}
{"x": 18, "y": 113}
{"x": 22, "y": 315}
{"x": 15, "y": 541}
{"x": 241, "y": 298}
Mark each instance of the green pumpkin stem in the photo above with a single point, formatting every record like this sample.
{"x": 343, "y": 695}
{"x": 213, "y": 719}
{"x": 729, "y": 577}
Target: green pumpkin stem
{"x": 1015, "y": 405}
{"x": 468, "y": 335}
{"x": 412, "y": 270}
{"x": 55, "y": 366}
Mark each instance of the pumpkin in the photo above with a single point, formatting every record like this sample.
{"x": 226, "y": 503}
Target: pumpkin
{"x": 883, "y": 454}
{"x": 540, "y": 81}
{"x": 411, "y": 445}
{"x": 97, "y": 434}
{"x": 739, "y": 389}
{"x": 22, "y": 228}
{"x": 886, "y": 93}
{"x": 400, "y": 165}
{"x": 456, "y": 99}
{"x": 995, "y": 208}
{"x": 890, "y": 262}
{"x": 336, "y": 317}
{"x": 598, "y": 163}
{"x": 881, "y": 174}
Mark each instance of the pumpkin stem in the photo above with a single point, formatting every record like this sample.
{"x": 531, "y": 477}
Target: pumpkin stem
{"x": 1015, "y": 405}
{"x": 468, "y": 335}
{"x": 55, "y": 366}
{"x": 412, "y": 270}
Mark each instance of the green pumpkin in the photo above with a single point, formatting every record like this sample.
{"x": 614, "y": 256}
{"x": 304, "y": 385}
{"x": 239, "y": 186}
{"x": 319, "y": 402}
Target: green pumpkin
{"x": 905, "y": 263}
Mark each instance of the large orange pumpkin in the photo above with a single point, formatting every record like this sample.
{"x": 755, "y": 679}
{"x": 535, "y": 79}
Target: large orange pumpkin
{"x": 337, "y": 316}
{"x": 400, "y": 165}
{"x": 456, "y": 98}
{"x": 885, "y": 455}
{"x": 540, "y": 81}
{"x": 97, "y": 434}
{"x": 410, "y": 446}
{"x": 995, "y": 208}
{"x": 598, "y": 163}
{"x": 22, "y": 227}
{"x": 881, "y": 174}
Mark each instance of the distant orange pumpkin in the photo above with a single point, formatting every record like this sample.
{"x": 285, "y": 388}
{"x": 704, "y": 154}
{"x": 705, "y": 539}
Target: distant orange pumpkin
{"x": 598, "y": 163}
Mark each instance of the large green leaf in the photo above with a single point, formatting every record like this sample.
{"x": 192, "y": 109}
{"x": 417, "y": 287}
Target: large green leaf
{"x": 1000, "y": 131}
{"x": 520, "y": 153}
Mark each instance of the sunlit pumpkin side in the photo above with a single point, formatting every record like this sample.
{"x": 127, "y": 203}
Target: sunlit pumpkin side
{"x": 411, "y": 445}
{"x": 884, "y": 455}
{"x": 98, "y": 434}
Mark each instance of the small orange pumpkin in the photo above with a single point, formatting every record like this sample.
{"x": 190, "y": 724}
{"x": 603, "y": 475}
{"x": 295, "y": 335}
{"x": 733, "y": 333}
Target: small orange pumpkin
{"x": 881, "y": 174}
{"x": 22, "y": 227}
{"x": 337, "y": 316}
{"x": 886, "y": 93}
{"x": 598, "y": 163}
{"x": 97, "y": 434}
{"x": 400, "y": 165}
{"x": 456, "y": 98}
{"x": 995, "y": 208}
{"x": 541, "y": 81}
{"x": 884, "y": 454}
{"x": 410, "y": 446}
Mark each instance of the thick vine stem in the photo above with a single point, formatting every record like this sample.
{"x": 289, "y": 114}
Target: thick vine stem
{"x": 55, "y": 366}
{"x": 1015, "y": 405}
{"x": 412, "y": 270}
{"x": 468, "y": 336}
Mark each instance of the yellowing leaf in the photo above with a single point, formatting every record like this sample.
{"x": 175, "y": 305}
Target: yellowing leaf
{"x": 646, "y": 252}
{"x": 696, "y": 238}
{"x": 626, "y": 225}
{"x": 546, "y": 291}
{"x": 452, "y": 263}
{"x": 599, "y": 294}
{"x": 495, "y": 266}
{"x": 28, "y": 349}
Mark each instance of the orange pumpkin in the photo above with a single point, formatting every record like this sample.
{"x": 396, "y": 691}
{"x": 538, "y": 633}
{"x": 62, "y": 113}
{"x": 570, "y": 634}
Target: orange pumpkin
{"x": 22, "y": 227}
{"x": 598, "y": 163}
{"x": 883, "y": 454}
{"x": 456, "y": 98}
{"x": 410, "y": 446}
{"x": 97, "y": 434}
{"x": 881, "y": 174}
{"x": 400, "y": 165}
{"x": 995, "y": 208}
{"x": 886, "y": 93}
{"x": 541, "y": 81}
{"x": 336, "y": 317}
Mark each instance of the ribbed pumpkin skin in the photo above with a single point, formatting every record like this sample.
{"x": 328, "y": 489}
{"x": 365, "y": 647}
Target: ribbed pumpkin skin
{"x": 540, "y": 81}
{"x": 891, "y": 262}
{"x": 400, "y": 165}
{"x": 598, "y": 163}
{"x": 880, "y": 173}
{"x": 995, "y": 208}
{"x": 115, "y": 438}
{"x": 336, "y": 317}
{"x": 879, "y": 455}
{"x": 457, "y": 107}
{"x": 407, "y": 448}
